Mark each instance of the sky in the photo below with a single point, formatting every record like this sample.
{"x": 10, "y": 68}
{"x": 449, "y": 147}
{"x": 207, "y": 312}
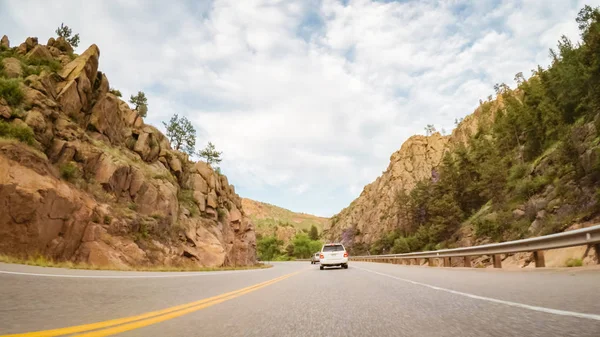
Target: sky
{"x": 307, "y": 99}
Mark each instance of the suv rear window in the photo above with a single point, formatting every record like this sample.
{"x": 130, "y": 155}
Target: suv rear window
{"x": 335, "y": 248}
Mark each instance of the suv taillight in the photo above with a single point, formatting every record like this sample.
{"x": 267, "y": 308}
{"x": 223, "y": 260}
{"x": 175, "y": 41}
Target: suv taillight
{"x": 345, "y": 254}
{"x": 321, "y": 256}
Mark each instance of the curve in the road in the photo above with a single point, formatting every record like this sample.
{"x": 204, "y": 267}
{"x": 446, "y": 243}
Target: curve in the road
{"x": 120, "y": 325}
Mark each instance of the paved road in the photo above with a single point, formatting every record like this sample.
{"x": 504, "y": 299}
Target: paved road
{"x": 297, "y": 299}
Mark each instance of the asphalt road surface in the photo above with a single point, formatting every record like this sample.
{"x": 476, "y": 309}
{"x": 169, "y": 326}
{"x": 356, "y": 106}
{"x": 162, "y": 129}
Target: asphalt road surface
{"x": 297, "y": 299}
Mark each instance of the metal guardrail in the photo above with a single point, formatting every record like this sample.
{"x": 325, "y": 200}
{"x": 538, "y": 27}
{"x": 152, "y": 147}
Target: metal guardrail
{"x": 589, "y": 236}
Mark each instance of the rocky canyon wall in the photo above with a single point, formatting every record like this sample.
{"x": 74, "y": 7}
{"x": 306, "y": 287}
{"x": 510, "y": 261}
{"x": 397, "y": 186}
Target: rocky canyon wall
{"x": 96, "y": 184}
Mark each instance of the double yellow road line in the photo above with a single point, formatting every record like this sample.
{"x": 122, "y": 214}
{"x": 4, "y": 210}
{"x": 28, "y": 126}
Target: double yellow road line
{"x": 119, "y": 325}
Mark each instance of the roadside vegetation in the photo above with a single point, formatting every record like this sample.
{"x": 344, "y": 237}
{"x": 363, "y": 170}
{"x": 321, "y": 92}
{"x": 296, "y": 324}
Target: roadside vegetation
{"x": 535, "y": 166}
{"x": 574, "y": 262}
{"x": 302, "y": 246}
{"x": 42, "y": 261}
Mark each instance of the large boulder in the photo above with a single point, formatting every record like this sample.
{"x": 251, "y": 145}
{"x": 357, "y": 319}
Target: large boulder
{"x": 12, "y": 67}
{"x": 204, "y": 243}
{"x": 4, "y": 42}
{"x": 79, "y": 75}
{"x": 62, "y": 45}
{"x": 39, "y": 53}
{"x": 28, "y": 45}
{"x": 211, "y": 200}
{"x": 34, "y": 98}
{"x": 44, "y": 83}
{"x": 106, "y": 118}
{"x": 204, "y": 170}
{"x": 42, "y": 215}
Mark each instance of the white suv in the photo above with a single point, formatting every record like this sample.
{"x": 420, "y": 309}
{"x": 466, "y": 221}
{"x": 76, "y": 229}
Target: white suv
{"x": 333, "y": 254}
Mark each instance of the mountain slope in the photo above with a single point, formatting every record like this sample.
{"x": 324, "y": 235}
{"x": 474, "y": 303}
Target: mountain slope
{"x": 375, "y": 211}
{"x": 524, "y": 164}
{"x": 283, "y": 223}
{"x": 84, "y": 179}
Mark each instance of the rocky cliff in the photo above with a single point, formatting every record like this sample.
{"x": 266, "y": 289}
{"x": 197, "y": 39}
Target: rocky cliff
{"x": 375, "y": 211}
{"x": 84, "y": 179}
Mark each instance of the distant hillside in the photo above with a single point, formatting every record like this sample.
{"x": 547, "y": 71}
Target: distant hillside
{"x": 273, "y": 220}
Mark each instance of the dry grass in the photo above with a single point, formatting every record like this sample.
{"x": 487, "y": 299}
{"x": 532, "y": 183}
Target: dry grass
{"x": 42, "y": 261}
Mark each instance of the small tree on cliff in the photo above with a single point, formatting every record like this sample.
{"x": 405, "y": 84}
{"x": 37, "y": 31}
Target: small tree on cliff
{"x": 65, "y": 32}
{"x": 430, "y": 129}
{"x": 211, "y": 155}
{"x": 141, "y": 103}
{"x": 182, "y": 134}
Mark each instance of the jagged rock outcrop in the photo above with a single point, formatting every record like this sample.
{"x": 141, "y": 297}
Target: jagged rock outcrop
{"x": 99, "y": 186}
{"x": 4, "y": 42}
{"x": 374, "y": 212}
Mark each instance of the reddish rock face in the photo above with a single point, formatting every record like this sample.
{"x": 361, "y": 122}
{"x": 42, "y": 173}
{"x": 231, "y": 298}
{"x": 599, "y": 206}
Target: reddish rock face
{"x": 99, "y": 186}
{"x": 373, "y": 213}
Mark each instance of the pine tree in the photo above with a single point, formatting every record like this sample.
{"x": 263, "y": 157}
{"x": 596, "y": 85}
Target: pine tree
{"x": 182, "y": 134}
{"x": 211, "y": 155}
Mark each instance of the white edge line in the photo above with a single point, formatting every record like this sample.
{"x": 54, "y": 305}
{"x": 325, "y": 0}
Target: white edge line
{"x": 207, "y": 273}
{"x": 493, "y": 300}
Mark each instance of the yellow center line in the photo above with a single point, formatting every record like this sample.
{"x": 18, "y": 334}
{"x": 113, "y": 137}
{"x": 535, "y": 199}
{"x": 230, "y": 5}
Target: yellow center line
{"x": 149, "y": 317}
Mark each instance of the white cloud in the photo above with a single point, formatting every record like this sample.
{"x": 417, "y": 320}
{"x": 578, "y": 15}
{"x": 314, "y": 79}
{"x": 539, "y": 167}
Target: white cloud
{"x": 307, "y": 99}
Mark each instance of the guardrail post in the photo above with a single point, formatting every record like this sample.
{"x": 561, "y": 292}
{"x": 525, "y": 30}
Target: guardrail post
{"x": 430, "y": 262}
{"x": 446, "y": 262}
{"x": 497, "y": 260}
{"x": 597, "y": 249}
{"x": 416, "y": 262}
{"x": 538, "y": 257}
{"x": 468, "y": 261}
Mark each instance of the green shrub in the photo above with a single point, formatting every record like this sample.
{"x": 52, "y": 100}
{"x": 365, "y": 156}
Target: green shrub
{"x": 144, "y": 230}
{"x": 526, "y": 188}
{"x": 115, "y": 92}
{"x": 22, "y": 133}
{"x": 517, "y": 172}
{"x": 51, "y": 65}
{"x": 132, "y": 206}
{"x": 400, "y": 246}
{"x": 222, "y": 213}
{"x": 574, "y": 262}
{"x": 11, "y": 92}
{"x": 107, "y": 219}
{"x": 69, "y": 171}
{"x": 492, "y": 228}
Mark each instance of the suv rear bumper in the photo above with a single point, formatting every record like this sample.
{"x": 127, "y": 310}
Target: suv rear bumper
{"x": 334, "y": 262}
